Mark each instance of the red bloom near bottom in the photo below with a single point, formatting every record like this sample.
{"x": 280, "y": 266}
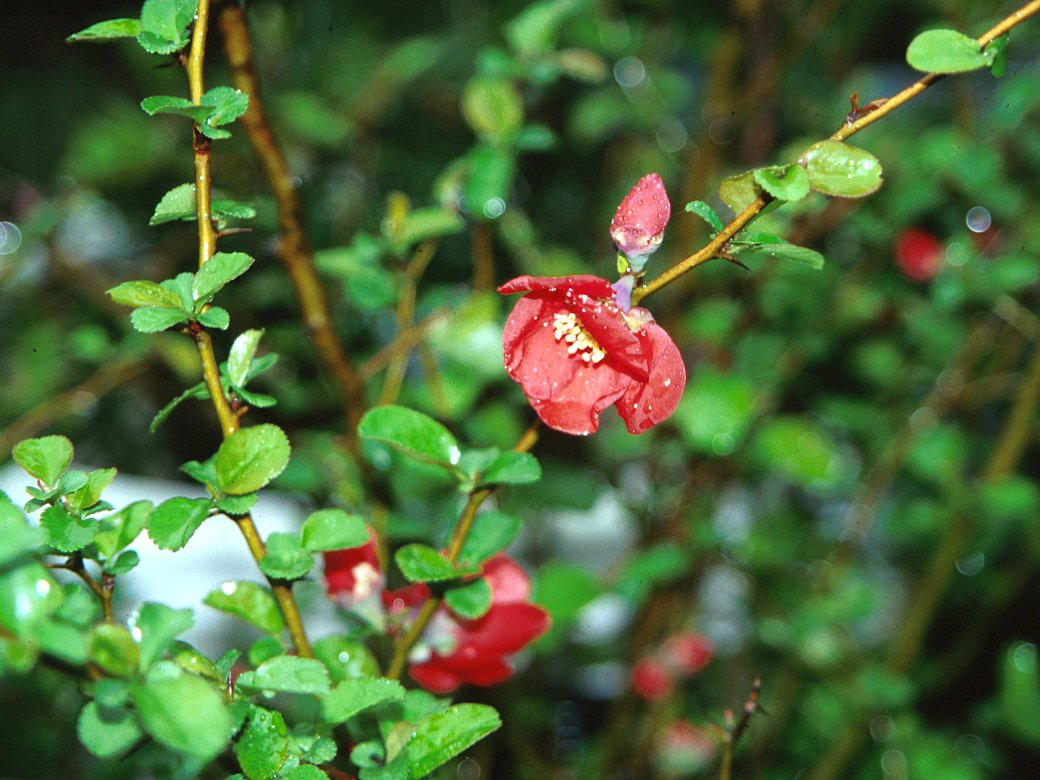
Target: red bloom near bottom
{"x": 575, "y": 352}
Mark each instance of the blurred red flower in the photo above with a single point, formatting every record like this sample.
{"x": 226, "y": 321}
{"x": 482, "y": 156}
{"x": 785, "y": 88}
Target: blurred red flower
{"x": 919, "y": 254}
{"x": 455, "y": 650}
{"x": 575, "y": 352}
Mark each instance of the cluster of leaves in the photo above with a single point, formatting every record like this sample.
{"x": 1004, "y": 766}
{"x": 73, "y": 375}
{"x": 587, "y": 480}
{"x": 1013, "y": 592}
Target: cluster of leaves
{"x": 821, "y": 404}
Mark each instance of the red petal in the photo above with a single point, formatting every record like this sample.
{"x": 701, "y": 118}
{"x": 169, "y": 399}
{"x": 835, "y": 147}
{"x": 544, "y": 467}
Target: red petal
{"x": 339, "y": 565}
{"x": 509, "y": 582}
{"x": 433, "y": 677}
{"x": 505, "y": 629}
{"x": 604, "y": 321}
{"x": 646, "y": 404}
{"x": 639, "y": 222}
{"x": 595, "y": 286}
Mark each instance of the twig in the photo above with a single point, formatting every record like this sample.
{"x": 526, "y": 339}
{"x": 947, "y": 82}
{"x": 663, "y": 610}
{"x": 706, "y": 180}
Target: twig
{"x": 293, "y": 248}
{"x": 880, "y": 109}
{"x": 735, "y": 728}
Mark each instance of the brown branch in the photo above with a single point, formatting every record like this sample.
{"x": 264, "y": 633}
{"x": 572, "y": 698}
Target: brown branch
{"x": 293, "y": 247}
{"x": 879, "y": 109}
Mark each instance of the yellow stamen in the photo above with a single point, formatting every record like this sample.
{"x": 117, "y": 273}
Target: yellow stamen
{"x": 567, "y": 327}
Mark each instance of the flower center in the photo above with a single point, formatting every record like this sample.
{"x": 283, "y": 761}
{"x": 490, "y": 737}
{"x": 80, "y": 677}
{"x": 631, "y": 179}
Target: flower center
{"x": 568, "y": 328}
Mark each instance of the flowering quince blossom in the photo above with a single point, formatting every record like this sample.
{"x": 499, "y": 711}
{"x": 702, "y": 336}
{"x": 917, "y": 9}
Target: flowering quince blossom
{"x": 638, "y": 224}
{"x": 575, "y": 352}
{"x": 455, "y": 650}
{"x": 452, "y": 650}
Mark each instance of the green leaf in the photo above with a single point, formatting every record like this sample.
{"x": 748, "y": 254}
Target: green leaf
{"x": 178, "y": 203}
{"x": 181, "y": 285}
{"x": 288, "y": 674}
{"x": 740, "y": 191}
{"x": 45, "y": 458}
{"x": 250, "y": 602}
{"x": 263, "y": 744}
{"x": 945, "y": 51}
{"x": 333, "y": 529}
{"x": 784, "y": 182}
{"x": 107, "y": 31}
{"x": 512, "y": 468}
{"x": 1020, "y": 693}
{"x": 799, "y": 449}
{"x": 654, "y": 566}
{"x": 251, "y": 457}
{"x": 112, "y": 647}
{"x": 217, "y": 272}
{"x": 27, "y": 595}
{"x": 167, "y": 19}
{"x": 486, "y": 189}
{"x": 240, "y": 358}
{"x": 172, "y": 104}
{"x": 345, "y": 658}
{"x": 470, "y": 601}
{"x": 88, "y": 495}
{"x": 153, "y": 319}
{"x": 838, "y": 169}
{"x": 304, "y": 772}
{"x": 442, "y": 736}
{"x": 183, "y": 712}
{"x": 227, "y": 104}
{"x": 173, "y": 522}
{"x": 716, "y": 411}
{"x": 158, "y": 625}
{"x": 107, "y": 731}
{"x": 707, "y": 213}
{"x": 124, "y": 563}
{"x": 17, "y": 538}
{"x": 144, "y": 293}
{"x": 191, "y": 660}
{"x": 535, "y": 29}
{"x": 198, "y": 391}
{"x": 782, "y": 251}
{"x": 64, "y": 532}
{"x": 352, "y": 696}
{"x": 236, "y": 506}
{"x": 264, "y": 649}
{"x": 425, "y": 223}
{"x": 563, "y": 589}
{"x": 492, "y": 532}
{"x": 420, "y": 563}
{"x": 215, "y": 317}
{"x": 417, "y": 436}
{"x": 996, "y": 56}
{"x": 492, "y": 107}
{"x": 286, "y": 558}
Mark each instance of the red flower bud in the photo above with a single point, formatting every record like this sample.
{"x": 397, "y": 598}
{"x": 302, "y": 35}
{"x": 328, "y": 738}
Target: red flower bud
{"x": 919, "y": 254}
{"x": 638, "y": 224}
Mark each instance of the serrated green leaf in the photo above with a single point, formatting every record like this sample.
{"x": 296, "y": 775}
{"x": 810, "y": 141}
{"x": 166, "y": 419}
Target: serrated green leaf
{"x": 85, "y": 497}
{"x": 492, "y": 532}
{"x": 512, "y": 468}
{"x": 113, "y": 649}
{"x": 470, "y": 601}
{"x": 285, "y": 558}
{"x": 227, "y": 104}
{"x": 352, "y": 696}
{"x": 945, "y": 51}
{"x": 236, "y": 506}
{"x": 178, "y": 203}
{"x": 174, "y": 521}
{"x": 250, "y": 602}
{"x": 108, "y": 30}
{"x": 107, "y": 731}
{"x": 64, "y": 532}
{"x": 217, "y": 272}
{"x": 45, "y": 458}
{"x": 124, "y": 563}
{"x": 152, "y": 319}
{"x": 199, "y": 391}
{"x": 345, "y": 658}
{"x": 784, "y": 182}
{"x": 333, "y": 529}
{"x": 183, "y": 712}
{"x": 440, "y": 737}
{"x": 181, "y": 285}
{"x": 215, "y": 317}
{"x": 707, "y": 213}
{"x": 158, "y": 626}
{"x": 172, "y": 104}
{"x": 835, "y": 168}
{"x": 241, "y": 355}
{"x": 263, "y": 745}
{"x": 783, "y": 251}
{"x": 144, "y": 293}
{"x": 288, "y": 674}
{"x": 414, "y": 434}
{"x": 251, "y": 457}
{"x": 420, "y": 563}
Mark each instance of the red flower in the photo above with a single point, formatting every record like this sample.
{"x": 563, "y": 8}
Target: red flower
{"x": 919, "y": 254}
{"x": 687, "y": 653}
{"x": 638, "y": 224}
{"x": 652, "y": 679}
{"x": 354, "y": 575}
{"x": 575, "y": 352}
{"x": 455, "y": 650}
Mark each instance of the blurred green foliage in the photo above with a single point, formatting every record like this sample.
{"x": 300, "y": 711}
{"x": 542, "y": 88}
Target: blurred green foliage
{"x": 845, "y": 501}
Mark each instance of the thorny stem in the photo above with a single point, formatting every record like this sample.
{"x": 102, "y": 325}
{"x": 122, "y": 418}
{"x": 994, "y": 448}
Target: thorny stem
{"x": 229, "y": 421}
{"x": 293, "y": 247}
{"x": 458, "y": 538}
{"x": 880, "y": 109}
